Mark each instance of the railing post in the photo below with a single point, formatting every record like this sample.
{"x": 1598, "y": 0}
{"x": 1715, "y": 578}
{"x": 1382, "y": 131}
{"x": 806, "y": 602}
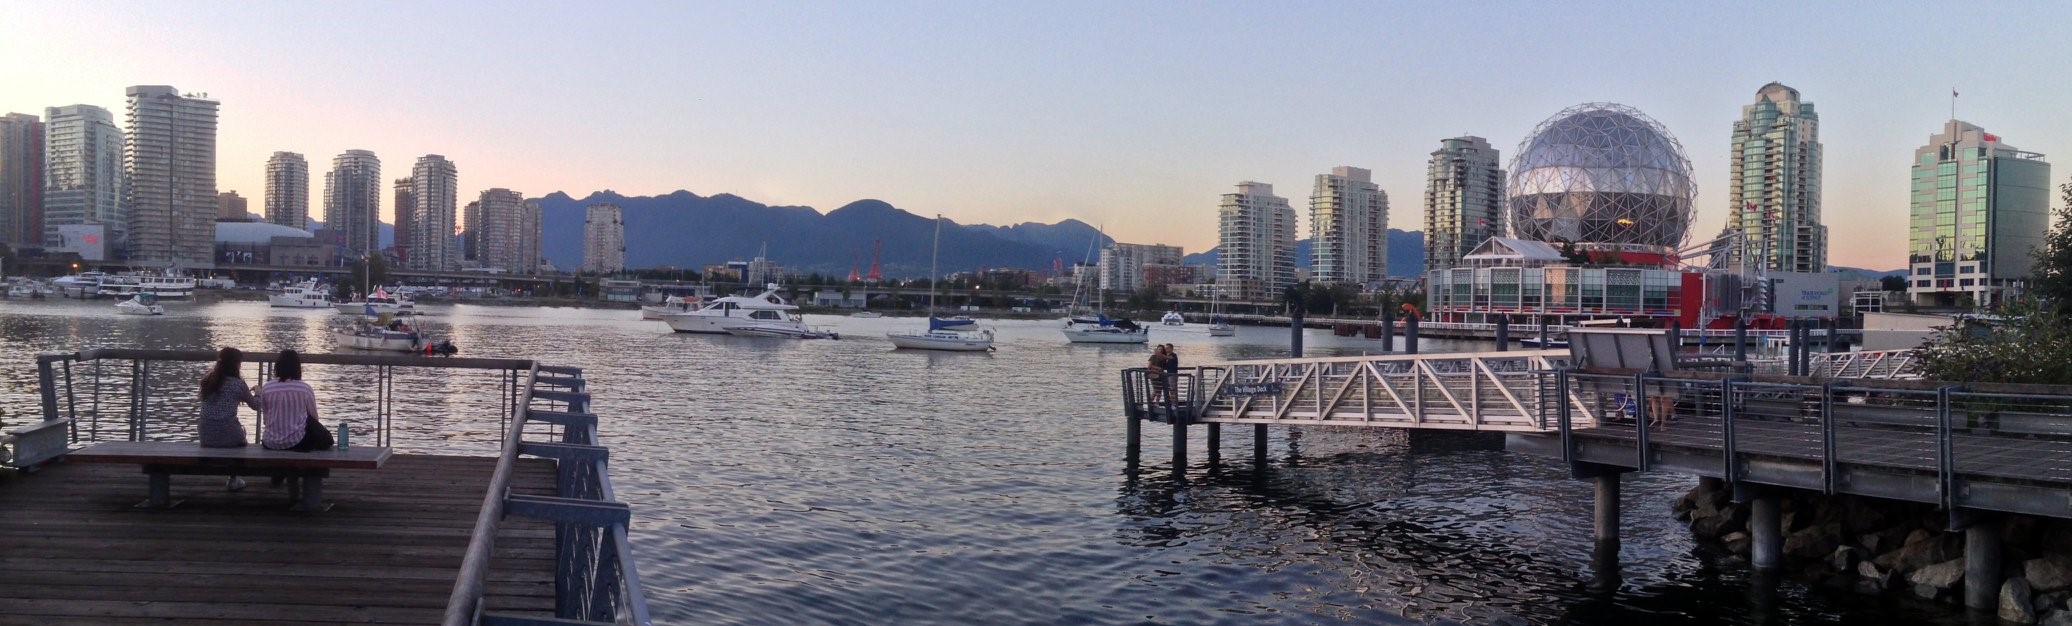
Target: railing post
{"x": 1729, "y": 465}
{"x": 46, "y": 380}
{"x": 1945, "y": 457}
{"x": 1562, "y": 414}
{"x": 1641, "y": 418}
{"x": 1828, "y": 471}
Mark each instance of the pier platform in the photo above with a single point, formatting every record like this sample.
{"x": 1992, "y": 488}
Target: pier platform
{"x": 80, "y": 552}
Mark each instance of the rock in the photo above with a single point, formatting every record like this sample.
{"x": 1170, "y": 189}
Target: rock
{"x": 2050, "y": 573}
{"x": 1788, "y": 521}
{"x": 1916, "y": 554}
{"x": 1919, "y": 535}
{"x": 1871, "y": 579}
{"x": 1859, "y": 515}
{"x": 1869, "y": 542}
{"x": 2014, "y": 602}
{"x": 1737, "y": 542}
{"x": 1935, "y": 581}
{"x": 1728, "y": 520}
{"x": 2060, "y": 617}
{"x": 1811, "y": 543}
{"x": 1845, "y": 558}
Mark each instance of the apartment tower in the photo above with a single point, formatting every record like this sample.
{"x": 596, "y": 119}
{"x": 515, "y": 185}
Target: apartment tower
{"x": 287, "y": 190}
{"x": 1773, "y": 189}
{"x": 171, "y": 159}
{"x": 1463, "y": 201}
{"x": 1256, "y": 239}
{"x": 506, "y": 231}
{"x": 352, "y": 203}
{"x": 435, "y": 198}
{"x": 1349, "y": 224}
{"x": 83, "y": 179}
{"x": 604, "y": 239}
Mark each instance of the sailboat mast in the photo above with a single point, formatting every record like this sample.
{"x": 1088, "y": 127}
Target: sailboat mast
{"x": 934, "y": 273}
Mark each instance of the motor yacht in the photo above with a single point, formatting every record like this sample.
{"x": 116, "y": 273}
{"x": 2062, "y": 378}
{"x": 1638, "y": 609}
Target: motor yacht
{"x": 140, "y": 304}
{"x": 377, "y": 304}
{"x": 1101, "y": 329}
{"x": 81, "y": 285}
{"x": 671, "y": 305}
{"x": 163, "y": 286}
{"x": 1173, "y": 318}
{"x": 306, "y": 295}
{"x": 766, "y": 312}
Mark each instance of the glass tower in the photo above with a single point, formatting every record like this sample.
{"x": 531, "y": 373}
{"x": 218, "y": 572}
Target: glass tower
{"x": 1978, "y": 207}
{"x": 1464, "y": 200}
{"x": 1774, "y": 186}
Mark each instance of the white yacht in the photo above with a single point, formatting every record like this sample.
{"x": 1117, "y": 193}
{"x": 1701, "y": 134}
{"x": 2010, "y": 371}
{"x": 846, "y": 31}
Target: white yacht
{"x": 669, "y": 306}
{"x": 942, "y": 334}
{"x": 307, "y": 295}
{"x": 81, "y": 285}
{"x": 363, "y": 335}
{"x": 766, "y": 312}
{"x": 1173, "y": 318}
{"x": 140, "y": 304}
{"x": 377, "y": 304}
{"x": 164, "y": 285}
{"x": 1101, "y": 329}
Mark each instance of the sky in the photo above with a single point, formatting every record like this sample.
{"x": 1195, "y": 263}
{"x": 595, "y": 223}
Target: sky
{"x": 1134, "y": 116}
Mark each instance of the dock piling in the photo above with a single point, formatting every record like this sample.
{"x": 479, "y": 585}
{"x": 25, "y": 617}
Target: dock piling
{"x": 1604, "y": 558}
{"x": 1543, "y": 332}
{"x": 1765, "y": 532}
{"x": 1740, "y": 340}
{"x": 1410, "y": 335}
{"x": 1503, "y": 333}
{"x": 1982, "y": 564}
{"x": 1259, "y": 444}
{"x": 1132, "y": 435}
{"x": 1214, "y": 442}
{"x": 1179, "y": 445}
{"x": 1388, "y": 329}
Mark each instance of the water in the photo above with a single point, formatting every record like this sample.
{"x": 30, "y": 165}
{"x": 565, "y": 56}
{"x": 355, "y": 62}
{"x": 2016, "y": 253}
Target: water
{"x": 842, "y": 482}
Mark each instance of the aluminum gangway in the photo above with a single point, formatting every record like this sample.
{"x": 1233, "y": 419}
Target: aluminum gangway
{"x": 1490, "y": 391}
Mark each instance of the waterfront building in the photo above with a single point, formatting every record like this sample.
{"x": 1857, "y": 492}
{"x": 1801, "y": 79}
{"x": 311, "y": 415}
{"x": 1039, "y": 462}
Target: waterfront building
{"x": 171, "y": 157}
{"x": 84, "y": 210}
{"x": 1773, "y": 188}
{"x": 1978, "y": 207}
{"x": 604, "y": 239}
{"x": 1122, "y": 265}
{"x": 231, "y": 207}
{"x": 352, "y": 203}
{"x": 21, "y": 180}
{"x": 434, "y": 197}
{"x": 266, "y": 243}
{"x": 1349, "y": 228}
{"x": 287, "y": 190}
{"x": 1463, "y": 201}
{"x": 400, "y": 245}
{"x": 1256, "y": 242}
{"x": 505, "y": 231}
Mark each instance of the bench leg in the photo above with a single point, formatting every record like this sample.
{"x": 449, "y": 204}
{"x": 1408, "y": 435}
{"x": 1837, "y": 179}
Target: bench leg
{"x": 161, "y": 491}
{"x": 312, "y": 494}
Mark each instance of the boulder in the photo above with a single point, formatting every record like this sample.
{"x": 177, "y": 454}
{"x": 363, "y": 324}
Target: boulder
{"x": 1935, "y": 581}
{"x": 1916, "y": 554}
{"x": 1811, "y": 543}
{"x": 1737, "y": 542}
{"x": 2014, "y": 602}
{"x": 1729, "y": 519}
{"x": 1919, "y": 535}
{"x": 1871, "y": 579}
{"x": 2052, "y": 573}
{"x": 1845, "y": 558}
{"x": 2060, "y": 617}
{"x": 1869, "y": 542}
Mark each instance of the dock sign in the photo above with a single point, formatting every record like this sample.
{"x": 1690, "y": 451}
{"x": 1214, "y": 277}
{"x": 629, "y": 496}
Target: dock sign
{"x": 1246, "y": 390}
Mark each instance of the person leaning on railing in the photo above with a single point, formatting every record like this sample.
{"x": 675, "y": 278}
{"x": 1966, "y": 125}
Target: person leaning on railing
{"x": 289, "y": 408}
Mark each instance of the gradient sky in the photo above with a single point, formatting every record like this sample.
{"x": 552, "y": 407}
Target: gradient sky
{"x": 1132, "y": 115}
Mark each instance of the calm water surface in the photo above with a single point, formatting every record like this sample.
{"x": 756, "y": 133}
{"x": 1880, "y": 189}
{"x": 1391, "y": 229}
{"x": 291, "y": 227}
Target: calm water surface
{"x": 842, "y": 482}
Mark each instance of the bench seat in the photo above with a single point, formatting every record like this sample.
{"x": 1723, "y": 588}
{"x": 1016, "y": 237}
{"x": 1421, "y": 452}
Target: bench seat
{"x": 162, "y": 459}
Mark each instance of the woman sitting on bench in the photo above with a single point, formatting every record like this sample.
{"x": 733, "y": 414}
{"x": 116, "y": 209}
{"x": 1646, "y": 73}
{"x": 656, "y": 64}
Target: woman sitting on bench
{"x": 289, "y": 409}
{"x": 221, "y": 391}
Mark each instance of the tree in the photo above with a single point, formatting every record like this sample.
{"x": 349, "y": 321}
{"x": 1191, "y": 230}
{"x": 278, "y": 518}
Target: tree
{"x": 2029, "y": 342}
{"x": 1892, "y": 283}
{"x": 372, "y": 270}
{"x": 2052, "y": 281}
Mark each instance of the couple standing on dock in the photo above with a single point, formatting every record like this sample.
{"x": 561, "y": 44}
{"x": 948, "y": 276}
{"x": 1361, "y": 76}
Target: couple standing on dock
{"x": 287, "y": 407}
{"x": 1165, "y": 372}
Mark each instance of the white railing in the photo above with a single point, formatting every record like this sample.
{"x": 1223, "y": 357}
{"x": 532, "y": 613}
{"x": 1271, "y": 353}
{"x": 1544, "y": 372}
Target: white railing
{"x": 1477, "y": 391}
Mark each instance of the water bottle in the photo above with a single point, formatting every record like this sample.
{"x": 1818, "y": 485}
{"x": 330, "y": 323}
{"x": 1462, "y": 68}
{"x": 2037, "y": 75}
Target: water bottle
{"x": 344, "y": 435}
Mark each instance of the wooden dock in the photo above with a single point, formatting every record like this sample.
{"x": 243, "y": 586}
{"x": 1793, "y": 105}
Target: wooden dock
{"x": 75, "y": 550}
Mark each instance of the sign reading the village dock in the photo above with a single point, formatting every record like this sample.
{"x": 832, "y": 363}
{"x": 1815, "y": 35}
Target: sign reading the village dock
{"x": 1247, "y": 390}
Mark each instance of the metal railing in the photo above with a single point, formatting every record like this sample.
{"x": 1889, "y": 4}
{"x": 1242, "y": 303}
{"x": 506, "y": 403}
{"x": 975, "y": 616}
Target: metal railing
{"x": 1489, "y": 390}
{"x": 1874, "y": 364}
{"x": 544, "y": 412}
{"x": 1973, "y": 446}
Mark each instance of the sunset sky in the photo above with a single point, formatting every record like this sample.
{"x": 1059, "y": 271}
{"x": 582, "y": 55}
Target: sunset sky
{"x": 1132, "y": 115}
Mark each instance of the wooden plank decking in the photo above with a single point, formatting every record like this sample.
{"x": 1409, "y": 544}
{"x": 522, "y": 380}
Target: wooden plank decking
{"x": 74, "y": 550}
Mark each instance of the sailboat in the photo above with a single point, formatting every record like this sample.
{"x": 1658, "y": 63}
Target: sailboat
{"x": 1098, "y": 328}
{"x": 942, "y": 334}
{"x": 1218, "y": 327}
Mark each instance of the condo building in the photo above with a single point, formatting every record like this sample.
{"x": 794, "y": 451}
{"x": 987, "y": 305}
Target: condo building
{"x": 1349, "y": 225}
{"x": 1463, "y": 201}
{"x": 171, "y": 157}
{"x": 1122, "y": 265}
{"x": 21, "y": 180}
{"x": 352, "y": 203}
{"x": 1256, "y": 239}
{"x": 1773, "y": 189}
{"x": 435, "y": 199}
{"x": 604, "y": 239}
{"x": 84, "y": 210}
{"x": 287, "y": 190}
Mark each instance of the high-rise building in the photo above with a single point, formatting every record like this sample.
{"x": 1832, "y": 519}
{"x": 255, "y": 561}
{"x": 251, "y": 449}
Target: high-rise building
{"x": 471, "y": 233}
{"x": 231, "y": 207}
{"x": 604, "y": 239}
{"x": 1773, "y": 188}
{"x": 83, "y": 174}
{"x": 403, "y": 202}
{"x": 352, "y": 203}
{"x": 1349, "y": 228}
{"x": 1463, "y": 201}
{"x": 506, "y": 231}
{"x": 171, "y": 158}
{"x": 287, "y": 190}
{"x": 1122, "y": 265}
{"x": 21, "y": 180}
{"x": 1978, "y": 207}
{"x": 1256, "y": 237}
{"x": 435, "y": 198}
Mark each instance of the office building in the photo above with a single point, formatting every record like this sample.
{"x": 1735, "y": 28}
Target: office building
{"x": 352, "y": 204}
{"x": 231, "y": 207}
{"x": 287, "y": 190}
{"x": 171, "y": 154}
{"x": 21, "y": 180}
{"x": 1773, "y": 189}
{"x": 1349, "y": 225}
{"x": 83, "y": 201}
{"x": 604, "y": 239}
{"x": 1256, "y": 240}
{"x": 1978, "y": 207}
{"x": 435, "y": 200}
{"x": 1463, "y": 201}
{"x": 1122, "y": 265}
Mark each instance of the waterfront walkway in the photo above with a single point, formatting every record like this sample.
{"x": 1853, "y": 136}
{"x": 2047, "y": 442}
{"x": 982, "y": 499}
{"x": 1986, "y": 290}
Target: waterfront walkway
{"x": 79, "y": 552}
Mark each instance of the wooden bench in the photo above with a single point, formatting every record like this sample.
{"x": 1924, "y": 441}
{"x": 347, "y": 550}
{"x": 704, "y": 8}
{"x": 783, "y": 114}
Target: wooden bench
{"x": 305, "y": 471}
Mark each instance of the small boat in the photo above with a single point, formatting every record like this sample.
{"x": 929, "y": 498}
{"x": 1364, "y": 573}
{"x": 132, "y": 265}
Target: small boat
{"x": 1222, "y": 329}
{"x": 942, "y": 334}
{"x": 140, "y": 304}
{"x": 307, "y": 295}
{"x": 1173, "y": 318}
{"x": 671, "y": 305}
{"x": 21, "y": 289}
{"x": 1219, "y": 327}
{"x": 365, "y": 335}
{"x": 81, "y": 285}
{"x": 717, "y": 315}
{"x": 377, "y": 304}
{"x": 1101, "y": 329}
{"x": 867, "y": 315}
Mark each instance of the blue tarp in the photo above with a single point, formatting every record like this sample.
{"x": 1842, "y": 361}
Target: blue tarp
{"x": 937, "y": 323}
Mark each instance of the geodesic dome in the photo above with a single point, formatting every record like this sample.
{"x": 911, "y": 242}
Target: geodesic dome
{"x": 1600, "y": 175}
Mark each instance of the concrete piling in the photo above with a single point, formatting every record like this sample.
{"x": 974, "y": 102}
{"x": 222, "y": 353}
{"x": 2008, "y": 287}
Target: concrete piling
{"x": 1604, "y": 558}
{"x": 1503, "y": 334}
{"x": 1765, "y": 532}
{"x": 1982, "y": 566}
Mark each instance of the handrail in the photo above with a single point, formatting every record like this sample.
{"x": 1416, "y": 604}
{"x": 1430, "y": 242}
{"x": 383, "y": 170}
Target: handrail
{"x": 464, "y": 603}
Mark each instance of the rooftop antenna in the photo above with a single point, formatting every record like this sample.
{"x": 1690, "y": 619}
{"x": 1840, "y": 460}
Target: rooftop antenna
{"x": 1953, "y": 104}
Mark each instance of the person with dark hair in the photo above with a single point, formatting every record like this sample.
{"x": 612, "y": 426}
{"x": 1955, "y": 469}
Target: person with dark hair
{"x": 221, "y": 391}
{"x": 289, "y": 409}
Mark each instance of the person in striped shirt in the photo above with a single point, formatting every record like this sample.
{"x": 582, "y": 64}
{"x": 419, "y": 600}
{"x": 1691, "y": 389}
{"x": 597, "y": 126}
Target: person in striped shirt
{"x": 288, "y": 409}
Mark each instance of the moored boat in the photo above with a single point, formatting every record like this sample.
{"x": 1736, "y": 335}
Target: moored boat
{"x": 165, "y": 285}
{"x": 377, "y": 304}
{"x": 868, "y": 315}
{"x": 81, "y": 285}
{"x": 140, "y": 304}
{"x": 942, "y": 334}
{"x": 1173, "y": 318}
{"x": 716, "y": 316}
{"x": 306, "y": 295}
{"x": 671, "y": 305}
{"x": 364, "y": 335}
{"x": 1101, "y": 329}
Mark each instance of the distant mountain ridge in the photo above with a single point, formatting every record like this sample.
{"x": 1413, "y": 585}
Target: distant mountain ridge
{"x": 686, "y": 230}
